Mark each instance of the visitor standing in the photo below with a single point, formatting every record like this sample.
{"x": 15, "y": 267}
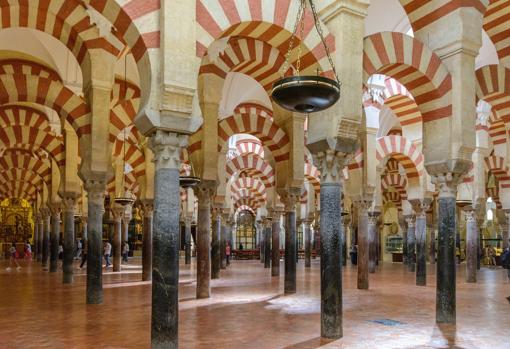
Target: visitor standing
{"x": 27, "y": 251}
{"x": 13, "y": 259}
{"x": 107, "y": 251}
{"x": 79, "y": 249}
{"x": 227, "y": 252}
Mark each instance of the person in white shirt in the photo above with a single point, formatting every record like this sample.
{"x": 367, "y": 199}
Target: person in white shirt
{"x": 14, "y": 254}
{"x": 107, "y": 253}
{"x": 125, "y": 251}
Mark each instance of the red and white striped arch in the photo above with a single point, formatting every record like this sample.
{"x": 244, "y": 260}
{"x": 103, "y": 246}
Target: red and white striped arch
{"x": 495, "y": 23}
{"x": 53, "y": 94}
{"x": 415, "y": 66}
{"x": 124, "y": 106}
{"x": 251, "y": 185}
{"x": 393, "y": 197}
{"x": 250, "y": 120}
{"x": 424, "y": 13}
{"x": 497, "y": 165}
{"x": 396, "y": 181}
{"x": 18, "y": 189}
{"x": 497, "y": 132}
{"x": 17, "y": 159}
{"x": 250, "y": 146}
{"x": 26, "y": 67}
{"x": 21, "y": 115}
{"x": 270, "y": 21}
{"x": 254, "y": 166}
{"x": 401, "y": 102}
{"x": 31, "y": 138}
{"x": 13, "y": 174}
{"x": 402, "y": 150}
{"x": 312, "y": 174}
{"x": 241, "y": 208}
{"x": 493, "y": 86}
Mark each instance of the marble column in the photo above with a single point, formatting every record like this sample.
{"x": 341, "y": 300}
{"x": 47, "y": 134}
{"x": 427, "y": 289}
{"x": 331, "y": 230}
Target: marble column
{"x": 275, "y": 243}
{"x": 223, "y": 240}
{"x": 148, "y": 214}
{"x": 432, "y": 247}
{"x": 204, "y": 194}
{"x": 117, "y": 213}
{"x": 505, "y": 233}
{"x": 330, "y": 165}
{"x": 308, "y": 244}
{"x": 35, "y": 243}
{"x": 260, "y": 231}
{"x": 95, "y": 193}
{"x": 40, "y": 224}
{"x": 166, "y": 147}
{"x": 471, "y": 244}
{"x": 290, "y": 197}
{"x": 372, "y": 243}
{"x": 267, "y": 243}
{"x": 46, "y": 239}
{"x": 346, "y": 220}
{"x": 446, "y": 185}
{"x": 54, "y": 237}
{"x": 420, "y": 209}
{"x": 126, "y": 218}
{"x": 187, "y": 238}
{"x": 363, "y": 243}
{"x": 69, "y": 203}
{"x": 411, "y": 241}
{"x": 215, "y": 244}
{"x": 405, "y": 257}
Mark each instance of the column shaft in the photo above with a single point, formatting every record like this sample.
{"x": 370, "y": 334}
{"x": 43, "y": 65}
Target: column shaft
{"x": 117, "y": 242}
{"x": 331, "y": 259}
{"x": 372, "y": 244}
{"x": 46, "y": 241}
{"x": 54, "y": 240}
{"x": 471, "y": 246}
{"x": 308, "y": 245}
{"x": 275, "y": 242}
{"x": 411, "y": 241}
{"x": 421, "y": 248}
{"x": 290, "y": 250}
{"x": 363, "y": 246}
{"x": 40, "y": 225}
{"x": 267, "y": 245}
{"x": 215, "y": 247}
{"x": 95, "y": 191}
{"x": 187, "y": 240}
{"x": 147, "y": 242}
{"x": 203, "y": 243}
{"x": 223, "y": 243}
{"x": 69, "y": 238}
{"x": 445, "y": 284}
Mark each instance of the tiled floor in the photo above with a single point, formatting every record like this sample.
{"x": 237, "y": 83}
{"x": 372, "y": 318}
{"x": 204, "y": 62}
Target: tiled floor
{"x": 247, "y": 310}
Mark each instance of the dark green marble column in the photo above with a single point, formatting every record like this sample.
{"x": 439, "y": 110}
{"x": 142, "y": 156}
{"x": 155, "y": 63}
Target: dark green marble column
{"x": 165, "y": 241}
{"x": 411, "y": 241}
{"x": 95, "y": 193}
{"x": 69, "y": 238}
{"x": 290, "y": 198}
{"x": 46, "y": 239}
{"x": 267, "y": 243}
{"x": 308, "y": 244}
{"x": 215, "y": 245}
{"x": 446, "y": 276}
{"x": 148, "y": 223}
{"x": 363, "y": 245}
{"x": 372, "y": 243}
{"x": 275, "y": 243}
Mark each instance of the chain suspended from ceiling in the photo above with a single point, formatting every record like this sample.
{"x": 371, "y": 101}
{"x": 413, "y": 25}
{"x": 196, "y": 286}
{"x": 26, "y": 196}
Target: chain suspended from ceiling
{"x": 307, "y": 93}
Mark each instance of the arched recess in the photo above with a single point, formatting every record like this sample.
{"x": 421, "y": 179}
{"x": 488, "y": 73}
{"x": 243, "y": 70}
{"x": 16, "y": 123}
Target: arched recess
{"x": 29, "y": 138}
{"x": 23, "y": 115}
{"x": 15, "y": 159}
{"x": 312, "y": 174}
{"x": 254, "y": 166}
{"x": 495, "y": 24}
{"x": 53, "y": 94}
{"x": 248, "y": 185}
{"x": 493, "y": 86}
{"x": 250, "y": 147}
{"x": 421, "y": 71}
{"x": 404, "y": 152}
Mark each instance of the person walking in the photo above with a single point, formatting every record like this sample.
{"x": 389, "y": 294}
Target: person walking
{"x": 227, "y": 252}
{"x": 107, "y": 252}
{"x": 13, "y": 259}
{"x": 79, "y": 249}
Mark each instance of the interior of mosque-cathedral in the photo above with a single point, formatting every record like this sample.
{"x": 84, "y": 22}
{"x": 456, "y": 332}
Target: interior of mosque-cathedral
{"x": 149, "y": 127}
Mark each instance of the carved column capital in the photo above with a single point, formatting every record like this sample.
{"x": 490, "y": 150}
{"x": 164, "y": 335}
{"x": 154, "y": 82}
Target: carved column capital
{"x": 55, "y": 209}
{"x": 117, "y": 212}
{"x": 330, "y": 163}
{"x": 69, "y": 203}
{"x": 446, "y": 184}
{"x": 421, "y": 206}
{"x": 148, "y": 208}
{"x": 167, "y": 149}
{"x": 290, "y": 197}
{"x": 95, "y": 190}
{"x": 470, "y": 215}
{"x": 205, "y": 193}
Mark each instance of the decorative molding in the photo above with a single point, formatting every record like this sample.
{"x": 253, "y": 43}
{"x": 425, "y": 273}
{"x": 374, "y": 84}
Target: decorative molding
{"x": 166, "y": 147}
